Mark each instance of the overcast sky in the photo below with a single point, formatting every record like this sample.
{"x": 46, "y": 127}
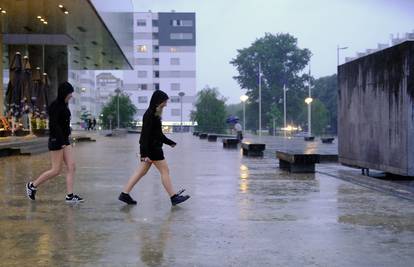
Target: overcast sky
{"x": 224, "y": 26}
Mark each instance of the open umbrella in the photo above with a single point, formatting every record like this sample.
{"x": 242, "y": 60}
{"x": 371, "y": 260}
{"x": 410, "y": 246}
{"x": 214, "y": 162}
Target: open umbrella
{"x": 232, "y": 119}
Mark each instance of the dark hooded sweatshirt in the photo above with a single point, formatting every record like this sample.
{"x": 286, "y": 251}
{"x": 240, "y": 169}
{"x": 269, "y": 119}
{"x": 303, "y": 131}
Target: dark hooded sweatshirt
{"x": 152, "y": 136}
{"x": 59, "y": 115}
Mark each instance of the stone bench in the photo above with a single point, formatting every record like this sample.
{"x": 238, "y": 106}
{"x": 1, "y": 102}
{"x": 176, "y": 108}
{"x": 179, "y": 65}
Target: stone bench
{"x": 327, "y": 140}
{"x": 309, "y": 138}
{"x": 202, "y": 136}
{"x": 297, "y": 162}
{"x": 196, "y": 133}
{"x": 253, "y": 149}
{"x": 212, "y": 137}
{"x": 230, "y": 142}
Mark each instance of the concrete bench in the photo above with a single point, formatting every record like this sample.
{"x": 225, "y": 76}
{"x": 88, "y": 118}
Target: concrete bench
{"x": 251, "y": 149}
{"x": 309, "y": 138}
{"x": 212, "y": 137}
{"x": 327, "y": 140}
{"x": 202, "y": 136}
{"x": 297, "y": 162}
{"x": 230, "y": 142}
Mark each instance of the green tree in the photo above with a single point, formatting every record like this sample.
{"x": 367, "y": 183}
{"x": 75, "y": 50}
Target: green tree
{"x": 127, "y": 111}
{"x": 210, "y": 113}
{"x": 326, "y": 90}
{"x": 282, "y": 63}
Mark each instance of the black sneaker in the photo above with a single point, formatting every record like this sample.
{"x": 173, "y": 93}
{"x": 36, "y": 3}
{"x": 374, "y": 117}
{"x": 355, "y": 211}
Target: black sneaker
{"x": 177, "y": 198}
{"x": 31, "y": 191}
{"x": 73, "y": 198}
{"x": 127, "y": 199}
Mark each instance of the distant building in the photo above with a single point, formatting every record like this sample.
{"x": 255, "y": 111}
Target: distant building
{"x": 106, "y": 84}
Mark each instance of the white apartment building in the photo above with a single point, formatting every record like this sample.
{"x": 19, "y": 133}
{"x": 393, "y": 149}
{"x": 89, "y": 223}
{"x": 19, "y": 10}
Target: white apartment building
{"x": 106, "y": 84}
{"x": 85, "y": 97}
{"x": 165, "y": 59}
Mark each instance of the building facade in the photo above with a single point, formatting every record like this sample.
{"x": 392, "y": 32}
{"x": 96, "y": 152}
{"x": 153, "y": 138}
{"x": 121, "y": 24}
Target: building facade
{"x": 165, "y": 59}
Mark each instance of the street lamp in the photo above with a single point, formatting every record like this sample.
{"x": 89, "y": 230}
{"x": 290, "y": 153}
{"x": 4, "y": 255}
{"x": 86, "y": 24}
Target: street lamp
{"x": 243, "y": 99}
{"x": 181, "y": 94}
{"x": 337, "y": 53}
{"x": 117, "y": 91}
{"x": 260, "y": 95}
{"x": 308, "y": 101}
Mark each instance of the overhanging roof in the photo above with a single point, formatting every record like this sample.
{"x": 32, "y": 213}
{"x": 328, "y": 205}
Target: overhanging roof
{"x": 91, "y": 45}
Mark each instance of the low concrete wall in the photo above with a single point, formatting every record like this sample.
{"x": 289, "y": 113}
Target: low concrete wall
{"x": 376, "y": 111}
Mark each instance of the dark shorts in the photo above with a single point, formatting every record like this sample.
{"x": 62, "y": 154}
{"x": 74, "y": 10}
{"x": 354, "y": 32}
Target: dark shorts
{"x": 54, "y": 145}
{"x": 156, "y": 154}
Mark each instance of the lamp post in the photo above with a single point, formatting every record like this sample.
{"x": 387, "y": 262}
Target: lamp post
{"x": 308, "y": 101}
{"x": 284, "y": 108}
{"x": 181, "y": 94}
{"x": 243, "y": 99}
{"x": 337, "y": 53}
{"x": 117, "y": 91}
{"x": 260, "y": 99}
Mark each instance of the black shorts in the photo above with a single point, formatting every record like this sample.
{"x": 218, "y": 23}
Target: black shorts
{"x": 156, "y": 154}
{"x": 54, "y": 145}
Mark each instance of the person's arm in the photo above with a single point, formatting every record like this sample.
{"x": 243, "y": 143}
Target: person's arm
{"x": 145, "y": 135}
{"x": 167, "y": 141}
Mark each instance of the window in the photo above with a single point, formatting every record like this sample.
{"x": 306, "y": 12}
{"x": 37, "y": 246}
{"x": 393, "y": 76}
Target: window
{"x": 175, "y": 87}
{"x": 141, "y": 22}
{"x": 142, "y": 74}
{"x": 181, "y": 36}
{"x": 175, "y": 112}
{"x": 175, "y": 99}
{"x": 181, "y": 23}
{"x": 155, "y": 35}
{"x": 155, "y": 23}
{"x": 156, "y": 49}
{"x": 173, "y": 49}
{"x": 175, "y": 61}
{"x": 156, "y": 86}
{"x": 142, "y": 48}
{"x": 156, "y": 74}
{"x": 156, "y": 61}
{"x": 141, "y": 112}
{"x": 142, "y": 99}
{"x": 143, "y": 86}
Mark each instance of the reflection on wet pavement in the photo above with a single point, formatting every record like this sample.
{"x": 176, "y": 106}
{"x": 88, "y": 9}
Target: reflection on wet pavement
{"x": 242, "y": 212}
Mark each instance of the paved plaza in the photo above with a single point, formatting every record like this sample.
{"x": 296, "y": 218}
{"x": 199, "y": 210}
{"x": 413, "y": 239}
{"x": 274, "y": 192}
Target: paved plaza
{"x": 242, "y": 212}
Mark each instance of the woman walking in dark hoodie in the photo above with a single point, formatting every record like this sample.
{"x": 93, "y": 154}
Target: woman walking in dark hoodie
{"x": 151, "y": 141}
{"x": 59, "y": 145}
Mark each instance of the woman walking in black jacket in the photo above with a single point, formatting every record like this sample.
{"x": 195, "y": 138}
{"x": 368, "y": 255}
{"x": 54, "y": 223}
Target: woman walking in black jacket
{"x": 151, "y": 141}
{"x": 59, "y": 145}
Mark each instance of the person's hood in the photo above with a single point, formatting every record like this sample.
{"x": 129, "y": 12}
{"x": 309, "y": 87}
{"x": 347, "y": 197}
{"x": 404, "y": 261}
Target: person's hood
{"x": 157, "y": 98}
{"x": 64, "y": 90}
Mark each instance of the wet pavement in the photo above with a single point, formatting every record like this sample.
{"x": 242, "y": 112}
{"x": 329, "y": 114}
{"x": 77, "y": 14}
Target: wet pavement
{"x": 242, "y": 212}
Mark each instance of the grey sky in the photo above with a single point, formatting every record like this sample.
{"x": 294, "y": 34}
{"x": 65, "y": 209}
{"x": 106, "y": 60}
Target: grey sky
{"x": 224, "y": 26}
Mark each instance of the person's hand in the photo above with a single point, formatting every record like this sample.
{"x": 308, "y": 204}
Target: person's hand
{"x": 146, "y": 159}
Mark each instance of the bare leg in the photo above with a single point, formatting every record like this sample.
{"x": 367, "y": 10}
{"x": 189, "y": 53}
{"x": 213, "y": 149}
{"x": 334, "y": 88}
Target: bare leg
{"x": 57, "y": 158}
{"x": 70, "y": 168}
{"x": 136, "y": 176}
{"x": 162, "y": 167}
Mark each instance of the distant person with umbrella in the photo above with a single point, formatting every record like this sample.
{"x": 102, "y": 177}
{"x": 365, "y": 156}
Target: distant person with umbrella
{"x": 59, "y": 145}
{"x": 93, "y": 123}
{"x": 239, "y": 131}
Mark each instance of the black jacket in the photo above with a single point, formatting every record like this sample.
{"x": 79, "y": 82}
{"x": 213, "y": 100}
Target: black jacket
{"x": 59, "y": 115}
{"x": 152, "y": 136}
